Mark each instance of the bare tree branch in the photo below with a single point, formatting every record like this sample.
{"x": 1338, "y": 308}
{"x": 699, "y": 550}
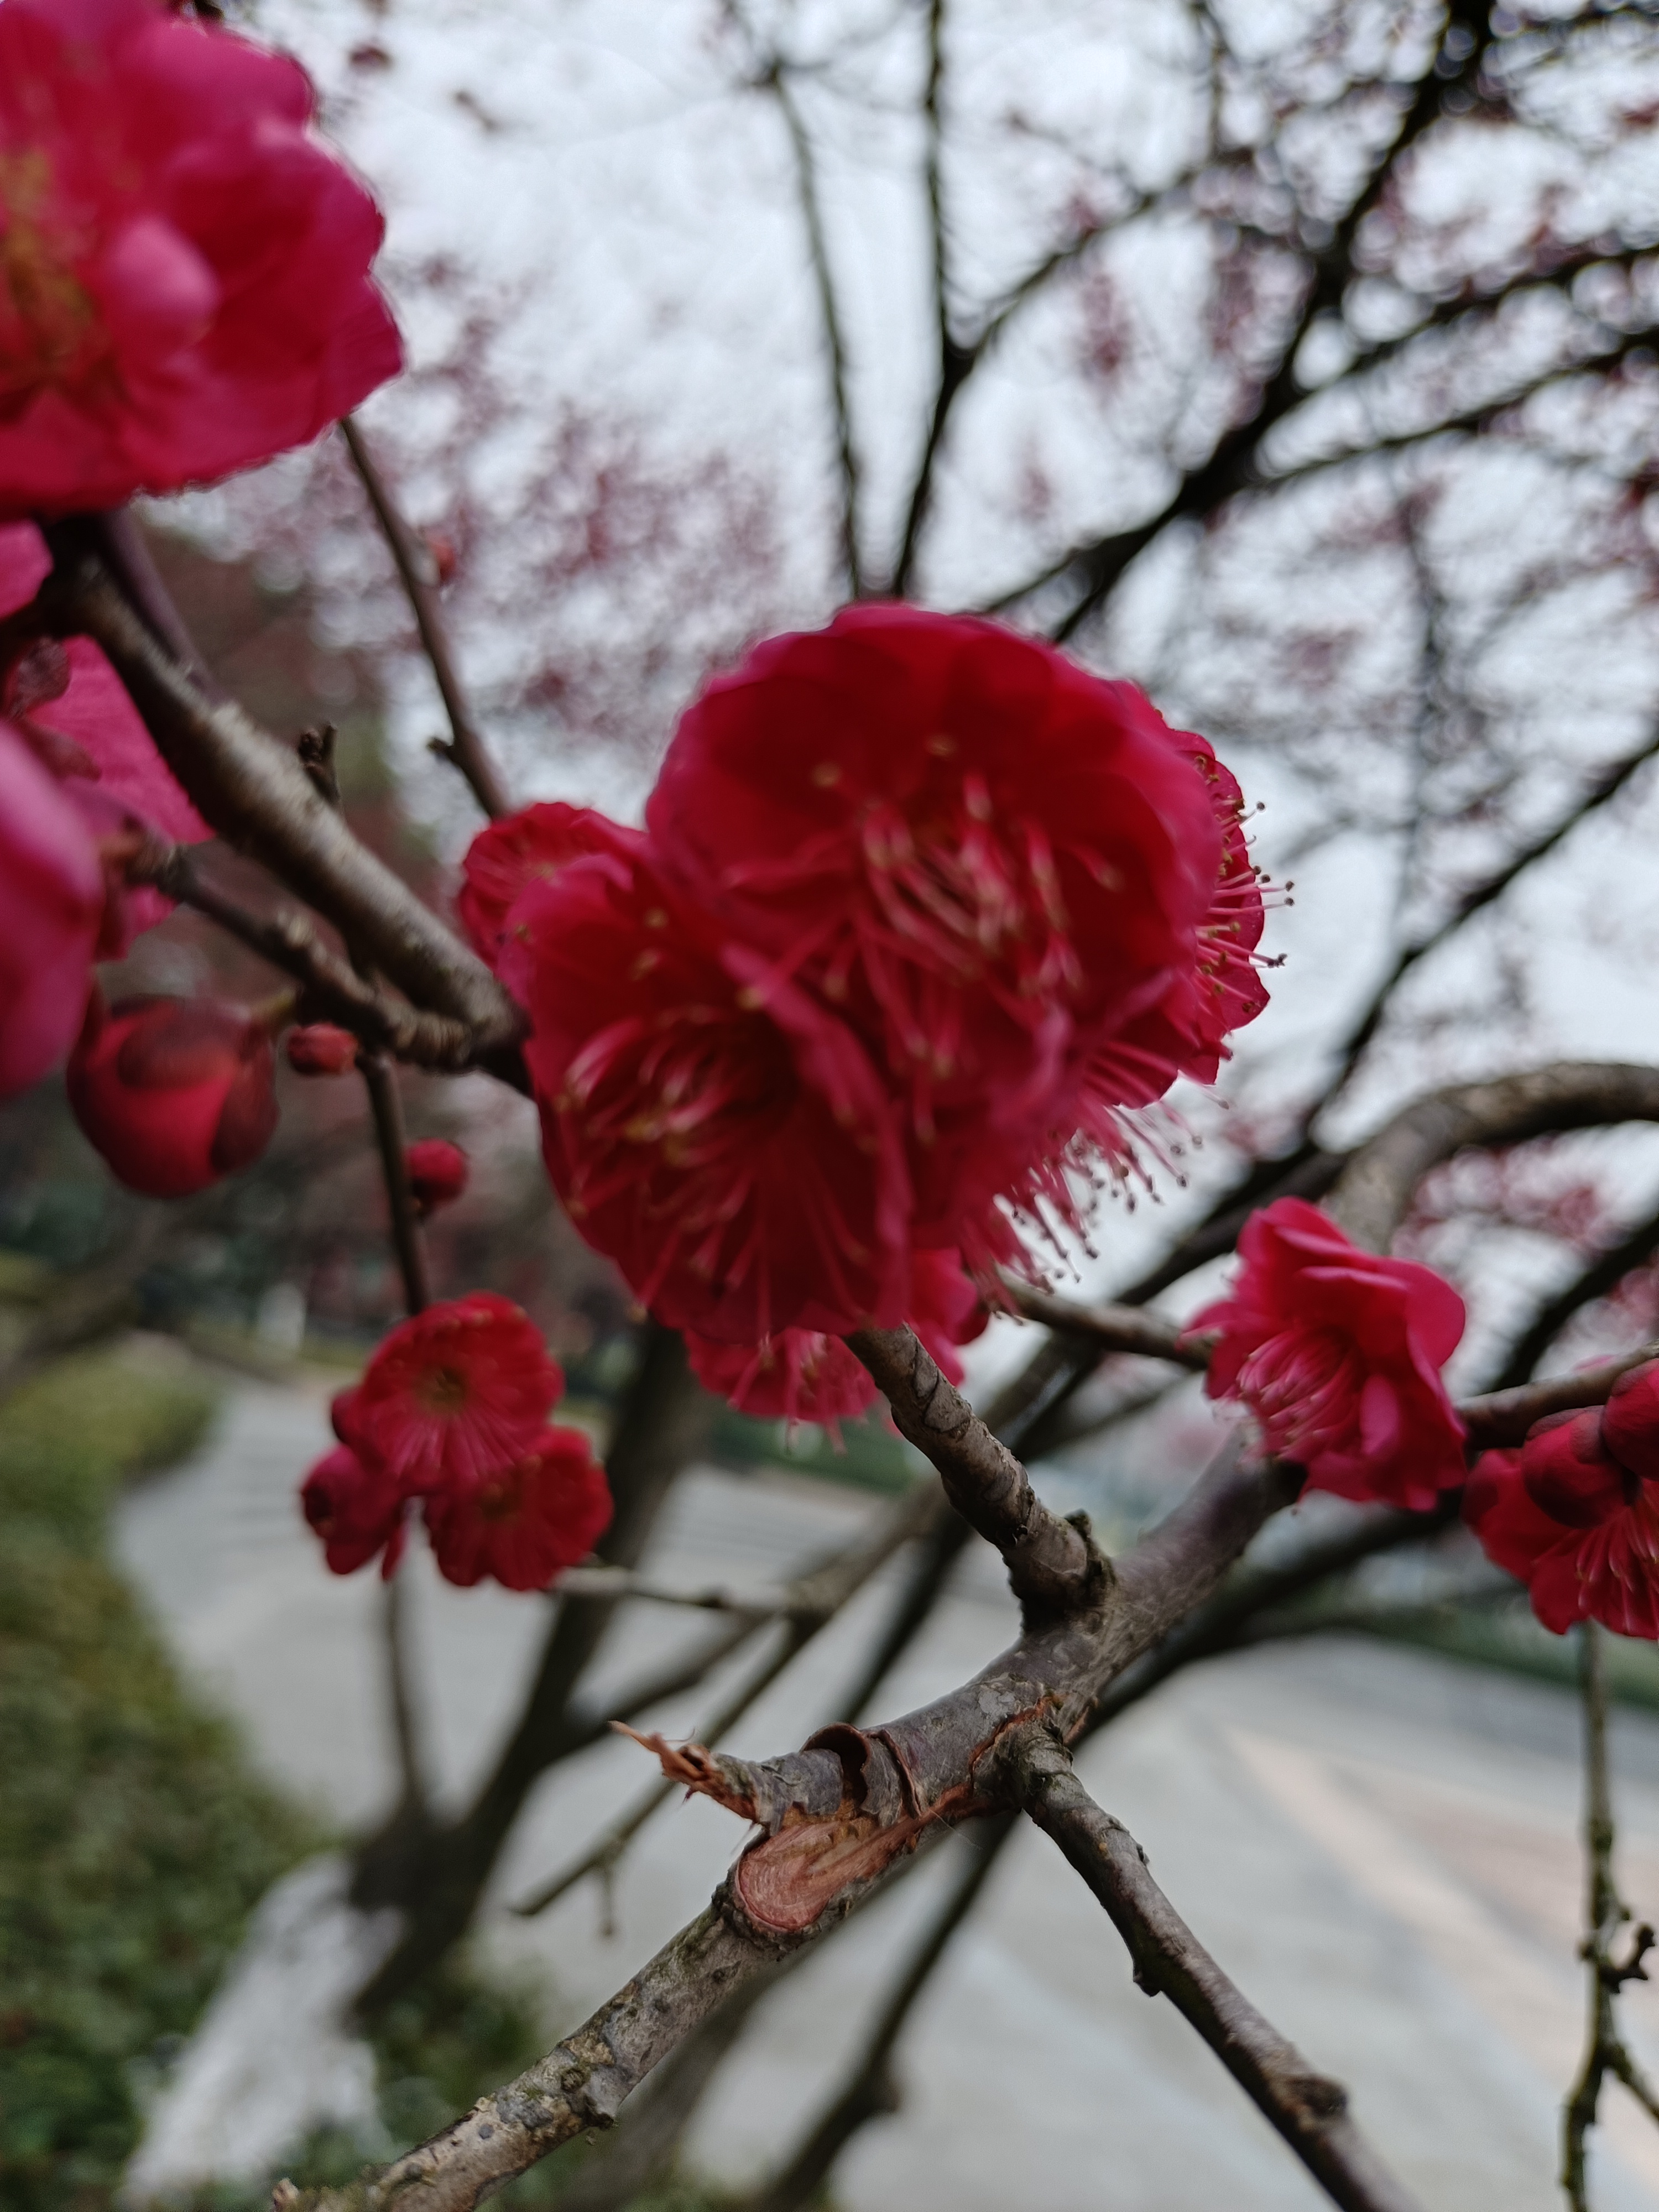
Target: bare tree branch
{"x": 1109, "y": 1328}
{"x": 1309, "y": 2111}
{"x": 1605, "y": 1914}
{"x": 1093, "y": 566}
{"x": 775, "y": 79}
{"x": 256, "y": 794}
{"x": 1370, "y": 1197}
{"x": 1049, "y": 1563}
{"x": 1604, "y": 1274}
{"x": 1606, "y": 786}
{"x": 333, "y": 989}
{"x": 466, "y": 749}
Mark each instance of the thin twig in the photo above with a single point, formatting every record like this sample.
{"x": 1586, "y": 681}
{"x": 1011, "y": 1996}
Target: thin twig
{"x": 1606, "y": 786}
{"x": 255, "y": 792}
{"x": 774, "y": 79}
{"x": 621, "y": 1582}
{"x": 1309, "y": 2111}
{"x": 465, "y": 750}
{"x": 604, "y": 1857}
{"x": 1111, "y": 1327}
{"x": 1605, "y": 1914}
{"x": 407, "y": 1241}
{"x": 956, "y": 362}
{"x": 333, "y": 989}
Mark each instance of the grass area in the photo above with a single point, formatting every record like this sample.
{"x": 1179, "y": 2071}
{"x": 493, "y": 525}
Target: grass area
{"x": 135, "y": 1840}
{"x": 131, "y": 1841}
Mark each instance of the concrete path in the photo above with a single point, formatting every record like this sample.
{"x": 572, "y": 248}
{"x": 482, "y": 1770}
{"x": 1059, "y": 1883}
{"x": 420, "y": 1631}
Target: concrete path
{"x": 1380, "y": 1847}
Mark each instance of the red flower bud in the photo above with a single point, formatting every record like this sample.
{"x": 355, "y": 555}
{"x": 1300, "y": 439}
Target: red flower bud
{"x": 173, "y": 1092}
{"x": 319, "y": 1049}
{"x": 1568, "y": 1473}
{"x": 438, "y": 1172}
{"x": 1629, "y": 1421}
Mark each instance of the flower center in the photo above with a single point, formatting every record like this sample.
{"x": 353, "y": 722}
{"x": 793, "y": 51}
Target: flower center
{"x": 51, "y": 331}
{"x": 443, "y": 1390}
{"x": 1303, "y": 1387}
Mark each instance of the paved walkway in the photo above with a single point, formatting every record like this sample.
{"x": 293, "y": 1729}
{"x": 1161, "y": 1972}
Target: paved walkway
{"x": 1379, "y": 1846}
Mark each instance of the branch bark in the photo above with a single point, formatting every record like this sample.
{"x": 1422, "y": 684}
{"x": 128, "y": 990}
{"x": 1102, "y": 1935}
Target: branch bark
{"x": 254, "y": 792}
{"x": 1050, "y": 1566}
{"x": 1371, "y": 1196}
{"x": 466, "y": 749}
{"x": 1309, "y": 2111}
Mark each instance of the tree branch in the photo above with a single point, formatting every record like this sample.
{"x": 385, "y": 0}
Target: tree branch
{"x": 1093, "y": 566}
{"x": 1108, "y": 1327}
{"x": 774, "y": 79}
{"x": 1050, "y": 1566}
{"x": 1606, "y": 786}
{"x": 1309, "y": 2111}
{"x": 1370, "y": 1197}
{"x": 1605, "y": 1914}
{"x": 580, "y": 2084}
{"x": 254, "y": 792}
{"x": 465, "y": 750}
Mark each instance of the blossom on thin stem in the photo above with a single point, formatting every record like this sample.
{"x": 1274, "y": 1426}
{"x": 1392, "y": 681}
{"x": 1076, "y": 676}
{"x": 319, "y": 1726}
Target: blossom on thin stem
{"x": 1337, "y": 1352}
{"x": 438, "y": 1173}
{"x": 1575, "y": 1513}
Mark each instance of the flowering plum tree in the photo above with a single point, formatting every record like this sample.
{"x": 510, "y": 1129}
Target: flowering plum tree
{"x": 831, "y": 1055}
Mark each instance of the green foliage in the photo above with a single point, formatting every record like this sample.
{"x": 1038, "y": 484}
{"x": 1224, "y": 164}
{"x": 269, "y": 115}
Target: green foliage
{"x": 134, "y": 1842}
{"x": 131, "y": 1841}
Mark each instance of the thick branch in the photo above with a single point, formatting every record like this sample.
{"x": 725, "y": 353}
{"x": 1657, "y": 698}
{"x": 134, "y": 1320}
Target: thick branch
{"x": 1374, "y": 1191}
{"x": 466, "y": 748}
{"x": 256, "y": 794}
{"x": 1050, "y": 1566}
{"x": 334, "y": 991}
{"x": 1108, "y": 1327}
{"x": 580, "y": 2084}
{"x": 1309, "y": 2110}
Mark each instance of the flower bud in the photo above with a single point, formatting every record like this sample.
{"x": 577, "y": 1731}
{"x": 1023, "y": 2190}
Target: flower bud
{"x": 319, "y": 1049}
{"x": 438, "y": 1172}
{"x": 1629, "y": 1421}
{"x": 173, "y": 1092}
{"x": 1567, "y": 1472}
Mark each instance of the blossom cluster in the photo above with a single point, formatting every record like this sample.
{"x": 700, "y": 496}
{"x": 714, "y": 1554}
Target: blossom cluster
{"x": 1575, "y": 1513}
{"x": 920, "y": 909}
{"x": 453, "y": 1412}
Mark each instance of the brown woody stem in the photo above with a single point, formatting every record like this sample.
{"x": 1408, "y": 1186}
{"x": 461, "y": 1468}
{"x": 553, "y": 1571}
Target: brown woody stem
{"x": 1309, "y": 2109}
{"x": 466, "y": 748}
